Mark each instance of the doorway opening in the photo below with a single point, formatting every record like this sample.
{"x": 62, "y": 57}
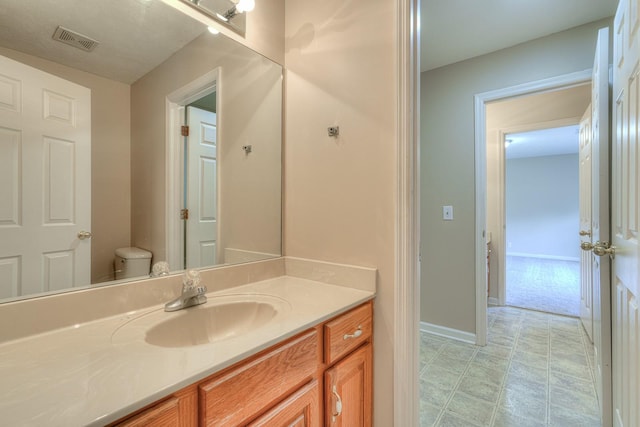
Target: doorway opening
{"x": 532, "y": 159}
{"x": 196, "y": 96}
{"x": 542, "y": 247}
{"x": 490, "y": 171}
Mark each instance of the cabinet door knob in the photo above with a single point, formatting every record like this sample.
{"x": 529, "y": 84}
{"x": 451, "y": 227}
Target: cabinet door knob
{"x": 356, "y": 334}
{"x": 338, "y": 410}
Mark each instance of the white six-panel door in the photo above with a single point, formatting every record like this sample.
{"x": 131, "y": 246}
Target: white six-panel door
{"x": 586, "y": 266}
{"x": 202, "y": 189}
{"x": 600, "y": 223}
{"x": 626, "y": 214}
{"x": 45, "y": 181}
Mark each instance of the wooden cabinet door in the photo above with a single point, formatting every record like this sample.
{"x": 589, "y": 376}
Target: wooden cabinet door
{"x": 301, "y": 409}
{"x": 239, "y": 394}
{"x": 348, "y": 390}
{"x": 180, "y": 410}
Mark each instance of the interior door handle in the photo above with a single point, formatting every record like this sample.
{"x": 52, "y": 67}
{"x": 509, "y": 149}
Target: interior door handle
{"x": 82, "y": 235}
{"x": 604, "y": 248}
{"x": 586, "y": 246}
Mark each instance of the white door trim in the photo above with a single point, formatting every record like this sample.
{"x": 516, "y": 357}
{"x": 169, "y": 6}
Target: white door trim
{"x": 480, "y": 101}
{"x": 175, "y": 102}
{"x": 407, "y": 278}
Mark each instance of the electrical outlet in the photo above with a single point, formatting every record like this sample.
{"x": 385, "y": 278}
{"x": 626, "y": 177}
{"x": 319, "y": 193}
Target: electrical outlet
{"x": 447, "y": 213}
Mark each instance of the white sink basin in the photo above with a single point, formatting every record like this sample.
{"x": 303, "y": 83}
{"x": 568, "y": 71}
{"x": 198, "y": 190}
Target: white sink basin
{"x": 220, "y": 318}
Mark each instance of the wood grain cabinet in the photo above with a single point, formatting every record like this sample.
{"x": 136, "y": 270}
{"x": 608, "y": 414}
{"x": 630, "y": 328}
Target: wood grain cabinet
{"x": 322, "y": 376}
{"x": 178, "y": 410}
{"x": 348, "y": 390}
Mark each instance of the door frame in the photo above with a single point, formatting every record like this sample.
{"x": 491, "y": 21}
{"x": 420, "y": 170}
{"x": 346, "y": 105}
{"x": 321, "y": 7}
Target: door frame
{"x": 406, "y": 292}
{"x": 175, "y": 104}
{"x": 480, "y": 100}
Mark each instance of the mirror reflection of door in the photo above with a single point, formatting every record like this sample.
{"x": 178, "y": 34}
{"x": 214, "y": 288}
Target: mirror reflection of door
{"x": 201, "y": 184}
{"x": 45, "y": 181}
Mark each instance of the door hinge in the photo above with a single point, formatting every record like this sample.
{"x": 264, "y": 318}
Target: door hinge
{"x": 184, "y": 213}
{"x": 184, "y": 130}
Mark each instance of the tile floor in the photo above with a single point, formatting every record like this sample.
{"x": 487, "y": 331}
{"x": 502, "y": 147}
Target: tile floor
{"x": 535, "y": 371}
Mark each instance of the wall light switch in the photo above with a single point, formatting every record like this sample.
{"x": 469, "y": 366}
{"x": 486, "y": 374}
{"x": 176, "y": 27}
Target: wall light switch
{"x": 447, "y": 213}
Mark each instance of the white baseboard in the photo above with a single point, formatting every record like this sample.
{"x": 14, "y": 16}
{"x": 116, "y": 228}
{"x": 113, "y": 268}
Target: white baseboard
{"x": 493, "y": 301}
{"x": 541, "y": 256}
{"x": 443, "y": 331}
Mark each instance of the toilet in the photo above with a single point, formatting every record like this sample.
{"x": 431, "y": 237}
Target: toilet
{"x": 132, "y": 262}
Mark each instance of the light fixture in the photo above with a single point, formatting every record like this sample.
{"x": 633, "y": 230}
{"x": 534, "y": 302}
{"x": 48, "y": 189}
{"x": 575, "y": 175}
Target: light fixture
{"x": 240, "y": 6}
{"x": 245, "y": 6}
{"x": 213, "y": 30}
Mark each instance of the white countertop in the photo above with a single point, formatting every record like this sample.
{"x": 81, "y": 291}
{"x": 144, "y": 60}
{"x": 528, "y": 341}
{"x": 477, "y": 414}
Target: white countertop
{"x": 79, "y": 376}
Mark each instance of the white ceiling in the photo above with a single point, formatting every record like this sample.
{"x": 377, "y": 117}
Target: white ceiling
{"x": 135, "y": 35}
{"x": 455, "y": 30}
{"x": 546, "y": 142}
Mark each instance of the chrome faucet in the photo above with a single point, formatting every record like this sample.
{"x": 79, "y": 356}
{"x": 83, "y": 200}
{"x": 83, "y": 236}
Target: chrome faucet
{"x": 192, "y": 293}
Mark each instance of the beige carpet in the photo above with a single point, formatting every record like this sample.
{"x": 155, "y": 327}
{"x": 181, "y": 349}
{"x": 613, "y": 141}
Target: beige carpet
{"x": 546, "y": 285}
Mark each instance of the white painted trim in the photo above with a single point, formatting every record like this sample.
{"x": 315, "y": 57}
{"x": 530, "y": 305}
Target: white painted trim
{"x": 543, "y": 256}
{"x": 480, "y": 99}
{"x": 493, "y": 301}
{"x": 406, "y": 315}
{"x": 450, "y": 333}
{"x": 481, "y": 221}
{"x": 174, "y": 106}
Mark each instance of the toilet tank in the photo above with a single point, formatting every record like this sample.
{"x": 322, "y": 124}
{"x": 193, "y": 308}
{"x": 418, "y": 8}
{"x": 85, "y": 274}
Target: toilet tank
{"x": 132, "y": 262}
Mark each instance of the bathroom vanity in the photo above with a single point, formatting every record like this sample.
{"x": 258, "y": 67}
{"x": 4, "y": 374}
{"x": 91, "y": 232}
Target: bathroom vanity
{"x": 325, "y": 371}
{"x": 279, "y": 340}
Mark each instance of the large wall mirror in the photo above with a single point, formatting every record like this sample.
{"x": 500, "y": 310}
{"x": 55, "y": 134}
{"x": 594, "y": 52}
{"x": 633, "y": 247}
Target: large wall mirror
{"x": 130, "y": 135}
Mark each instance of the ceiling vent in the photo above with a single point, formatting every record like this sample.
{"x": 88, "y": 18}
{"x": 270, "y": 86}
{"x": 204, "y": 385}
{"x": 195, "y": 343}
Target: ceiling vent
{"x": 74, "y": 39}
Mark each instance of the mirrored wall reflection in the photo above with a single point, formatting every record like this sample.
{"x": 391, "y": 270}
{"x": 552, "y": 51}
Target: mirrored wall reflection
{"x": 95, "y": 164}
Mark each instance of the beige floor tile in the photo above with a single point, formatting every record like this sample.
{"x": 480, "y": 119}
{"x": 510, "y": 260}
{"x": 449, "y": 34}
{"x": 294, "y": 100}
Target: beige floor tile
{"x": 501, "y": 340}
{"x": 428, "y": 414}
{"x": 535, "y": 371}
{"x": 479, "y": 389}
{"x": 540, "y": 347}
{"x": 563, "y": 417}
{"x": 518, "y": 404}
{"x": 484, "y": 373}
{"x": 434, "y": 393}
{"x": 491, "y": 361}
{"x": 540, "y": 361}
{"x": 471, "y": 409}
{"x": 441, "y": 376}
{"x": 451, "y": 420}
{"x": 574, "y": 400}
{"x": 558, "y": 379}
{"x": 527, "y": 373}
{"x": 453, "y": 365}
{"x": 526, "y": 389}
{"x": 567, "y": 367}
{"x": 505, "y": 419}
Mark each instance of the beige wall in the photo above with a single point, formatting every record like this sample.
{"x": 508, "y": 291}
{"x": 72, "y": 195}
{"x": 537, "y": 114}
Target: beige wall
{"x": 111, "y": 178}
{"x": 340, "y": 193}
{"x": 251, "y": 184}
{"x": 447, "y": 159}
{"x": 539, "y": 111}
{"x": 249, "y": 96}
